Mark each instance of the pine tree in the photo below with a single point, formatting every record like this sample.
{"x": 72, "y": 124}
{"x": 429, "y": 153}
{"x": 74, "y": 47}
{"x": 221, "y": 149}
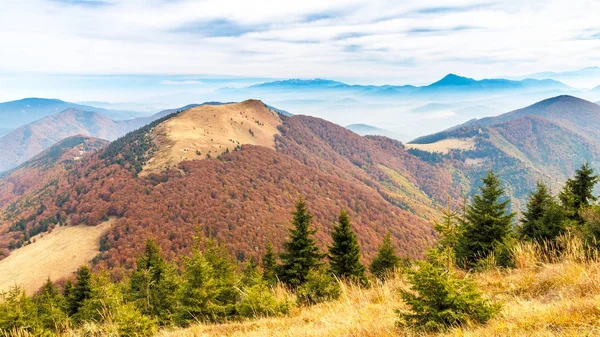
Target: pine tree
{"x": 81, "y": 291}
{"x": 544, "y": 218}
{"x": 386, "y": 260}
{"x": 577, "y": 192}
{"x": 301, "y": 253}
{"x": 49, "y": 304}
{"x": 251, "y": 275}
{"x": 199, "y": 292}
{"x": 344, "y": 253}
{"x": 269, "y": 265}
{"x": 449, "y": 231}
{"x": 153, "y": 285}
{"x": 488, "y": 225}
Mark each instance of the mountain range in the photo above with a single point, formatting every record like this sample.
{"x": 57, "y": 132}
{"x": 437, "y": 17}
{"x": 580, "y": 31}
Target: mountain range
{"x": 234, "y": 170}
{"x": 451, "y": 83}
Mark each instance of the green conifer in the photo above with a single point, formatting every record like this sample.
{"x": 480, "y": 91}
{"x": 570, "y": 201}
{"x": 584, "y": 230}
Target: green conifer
{"x": 543, "y": 219}
{"x": 81, "y": 291}
{"x": 153, "y": 284}
{"x": 301, "y": 253}
{"x": 386, "y": 259}
{"x": 269, "y": 265}
{"x": 344, "y": 253}
{"x": 488, "y": 224}
{"x": 578, "y": 191}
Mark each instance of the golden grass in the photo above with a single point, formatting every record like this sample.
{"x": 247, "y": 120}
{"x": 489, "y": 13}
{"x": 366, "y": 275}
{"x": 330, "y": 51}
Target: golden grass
{"x": 51, "y": 255}
{"x": 445, "y": 145}
{"x": 211, "y": 129}
{"x": 540, "y": 298}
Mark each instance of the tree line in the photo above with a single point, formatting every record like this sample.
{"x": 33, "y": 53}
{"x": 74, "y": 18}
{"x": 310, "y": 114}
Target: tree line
{"x": 210, "y": 286}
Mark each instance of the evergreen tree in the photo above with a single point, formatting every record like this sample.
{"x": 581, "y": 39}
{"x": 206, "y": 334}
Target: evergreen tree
{"x": 81, "y": 291}
{"x": 440, "y": 299}
{"x": 488, "y": 225}
{"x": 386, "y": 259}
{"x": 301, "y": 253}
{"x": 269, "y": 265}
{"x": 152, "y": 285}
{"x": 449, "y": 231}
{"x": 577, "y": 192}
{"x": 543, "y": 219}
{"x": 344, "y": 253}
{"x": 49, "y": 304}
{"x": 225, "y": 271}
{"x": 199, "y": 292}
{"x": 251, "y": 275}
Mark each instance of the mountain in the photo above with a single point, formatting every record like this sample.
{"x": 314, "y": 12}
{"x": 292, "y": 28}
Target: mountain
{"x": 234, "y": 172}
{"x": 546, "y": 141}
{"x": 4, "y": 131}
{"x": 369, "y": 130}
{"x": 292, "y": 84}
{"x": 17, "y": 113}
{"x": 29, "y": 140}
{"x": 583, "y": 78}
{"x": 452, "y": 83}
{"x": 572, "y": 112}
{"x": 49, "y": 164}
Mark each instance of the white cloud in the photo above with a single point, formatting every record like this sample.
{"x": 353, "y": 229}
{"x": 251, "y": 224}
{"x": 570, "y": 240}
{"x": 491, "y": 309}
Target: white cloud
{"x": 385, "y": 40}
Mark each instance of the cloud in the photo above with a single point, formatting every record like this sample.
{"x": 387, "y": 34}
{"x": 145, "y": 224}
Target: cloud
{"x": 181, "y": 82}
{"x": 397, "y": 42}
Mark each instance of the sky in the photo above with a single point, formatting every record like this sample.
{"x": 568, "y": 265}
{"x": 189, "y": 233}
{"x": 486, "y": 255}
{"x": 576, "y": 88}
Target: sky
{"x": 45, "y": 42}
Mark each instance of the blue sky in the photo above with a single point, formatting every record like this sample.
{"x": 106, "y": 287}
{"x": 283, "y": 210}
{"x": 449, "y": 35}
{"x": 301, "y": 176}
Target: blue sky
{"x": 376, "y": 42}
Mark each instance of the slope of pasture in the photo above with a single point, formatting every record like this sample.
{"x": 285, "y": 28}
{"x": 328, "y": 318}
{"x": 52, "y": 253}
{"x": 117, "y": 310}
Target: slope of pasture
{"x": 53, "y": 255}
{"x": 210, "y": 130}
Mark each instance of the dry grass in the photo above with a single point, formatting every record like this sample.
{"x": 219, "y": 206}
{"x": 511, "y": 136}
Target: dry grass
{"x": 211, "y": 130}
{"x": 540, "y": 298}
{"x": 445, "y": 145}
{"x": 54, "y": 255}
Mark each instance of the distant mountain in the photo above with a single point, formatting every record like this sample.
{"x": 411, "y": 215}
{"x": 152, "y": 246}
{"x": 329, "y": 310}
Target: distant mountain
{"x": 52, "y": 162}
{"x": 17, "y": 113}
{"x": 27, "y": 141}
{"x": 546, "y": 141}
{"x": 584, "y": 78}
{"x": 452, "y": 82}
{"x": 317, "y": 83}
{"x": 369, "y": 130}
{"x": 4, "y": 131}
{"x": 450, "y": 87}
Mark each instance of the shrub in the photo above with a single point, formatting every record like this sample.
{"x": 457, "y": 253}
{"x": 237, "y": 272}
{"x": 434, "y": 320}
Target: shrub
{"x": 260, "y": 300}
{"x": 320, "y": 286}
{"x": 440, "y": 300}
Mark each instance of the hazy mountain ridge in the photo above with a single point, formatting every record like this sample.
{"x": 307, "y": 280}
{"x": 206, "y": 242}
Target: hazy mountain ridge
{"x": 369, "y": 130}
{"x": 17, "y": 113}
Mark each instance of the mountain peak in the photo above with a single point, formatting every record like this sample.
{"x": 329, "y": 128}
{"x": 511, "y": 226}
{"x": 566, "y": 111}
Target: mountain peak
{"x": 453, "y": 80}
{"x": 207, "y": 131}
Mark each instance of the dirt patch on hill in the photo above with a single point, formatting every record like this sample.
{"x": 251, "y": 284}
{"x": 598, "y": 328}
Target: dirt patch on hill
{"x": 208, "y": 131}
{"x": 445, "y": 145}
{"x": 54, "y": 255}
